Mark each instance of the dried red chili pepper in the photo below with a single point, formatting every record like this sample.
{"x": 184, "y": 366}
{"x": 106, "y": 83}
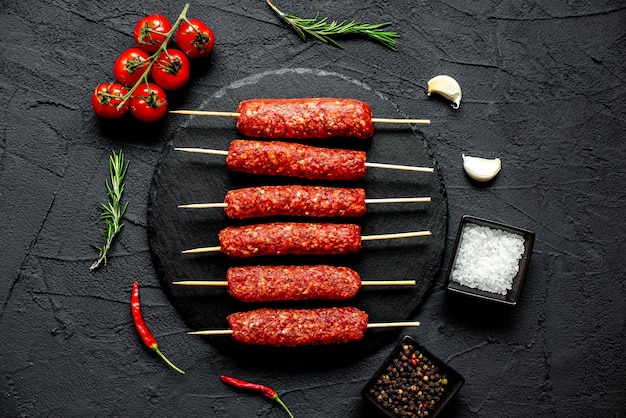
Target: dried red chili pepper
{"x": 263, "y": 390}
{"x": 142, "y": 328}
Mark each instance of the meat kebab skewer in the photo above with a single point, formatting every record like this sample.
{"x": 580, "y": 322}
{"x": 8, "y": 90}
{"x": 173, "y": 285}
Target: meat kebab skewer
{"x": 300, "y": 327}
{"x": 304, "y": 118}
{"x": 312, "y": 201}
{"x": 289, "y": 283}
{"x": 275, "y": 158}
{"x": 300, "y": 238}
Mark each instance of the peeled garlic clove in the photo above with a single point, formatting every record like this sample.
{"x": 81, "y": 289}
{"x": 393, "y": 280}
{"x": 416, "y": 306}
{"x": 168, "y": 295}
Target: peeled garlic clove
{"x": 481, "y": 169}
{"x": 448, "y": 87}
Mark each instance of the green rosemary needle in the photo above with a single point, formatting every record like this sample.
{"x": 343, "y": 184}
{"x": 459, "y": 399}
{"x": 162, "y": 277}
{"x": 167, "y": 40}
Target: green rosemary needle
{"x": 113, "y": 211}
{"x": 325, "y": 31}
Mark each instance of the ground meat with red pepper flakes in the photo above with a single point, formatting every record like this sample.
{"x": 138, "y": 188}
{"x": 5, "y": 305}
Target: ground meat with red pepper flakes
{"x": 275, "y": 158}
{"x": 280, "y": 238}
{"x": 305, "y": 118}
{"x": 281, "y": 283}
{"x": 311, "y": 201}
{"x": 298, "y": 327}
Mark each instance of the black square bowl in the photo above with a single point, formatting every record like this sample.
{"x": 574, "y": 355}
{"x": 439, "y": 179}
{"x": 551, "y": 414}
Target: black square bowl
{"x": 512, "y": 296}
{"x": 401, "y": 376}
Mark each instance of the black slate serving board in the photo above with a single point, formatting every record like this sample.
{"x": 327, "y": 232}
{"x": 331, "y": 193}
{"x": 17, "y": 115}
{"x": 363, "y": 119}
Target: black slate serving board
{"x": 192, "y": 178}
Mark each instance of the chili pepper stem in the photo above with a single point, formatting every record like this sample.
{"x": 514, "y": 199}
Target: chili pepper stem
{"x": 155, "y": 348}
{"x": 281, "y": 403}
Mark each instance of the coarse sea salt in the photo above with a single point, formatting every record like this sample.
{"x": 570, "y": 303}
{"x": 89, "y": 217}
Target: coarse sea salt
{"x": 487, "y": 258}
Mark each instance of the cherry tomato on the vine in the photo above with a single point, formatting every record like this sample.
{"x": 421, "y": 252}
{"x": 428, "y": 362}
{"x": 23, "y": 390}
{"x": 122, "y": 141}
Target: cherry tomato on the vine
{"x": 195, "y": 38}
{"x": 150, "y": 32}
{"x": 106, "y": 98}
{"x": 171, "y": 69}
{"x": 149, "y": 103}
{"x": 130, "y": 66}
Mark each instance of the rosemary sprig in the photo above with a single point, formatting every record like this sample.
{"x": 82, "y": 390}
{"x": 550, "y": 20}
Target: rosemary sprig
{"x": 325, "y": 31}
{"x": 113, "y": 211}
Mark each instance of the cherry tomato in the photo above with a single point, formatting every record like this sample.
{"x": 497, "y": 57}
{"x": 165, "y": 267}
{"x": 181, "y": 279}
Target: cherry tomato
{"x": 195, "y": 38}
{"x": 149, "y": 103}
{"x": 106, "y": 99}
{"x": 130, "y": 66}
{"x": 150, "y": 32}
{"x": 171, "y": 69}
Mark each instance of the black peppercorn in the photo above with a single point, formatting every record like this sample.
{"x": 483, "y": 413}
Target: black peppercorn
{"x": 412, "y": 386}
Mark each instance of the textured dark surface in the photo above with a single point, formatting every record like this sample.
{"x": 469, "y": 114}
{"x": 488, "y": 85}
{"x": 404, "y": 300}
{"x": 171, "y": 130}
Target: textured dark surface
{"x": 543, "y": 86}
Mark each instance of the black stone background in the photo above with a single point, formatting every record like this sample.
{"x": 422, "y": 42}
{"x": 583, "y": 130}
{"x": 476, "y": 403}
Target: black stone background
{"x": 543, "y": 86}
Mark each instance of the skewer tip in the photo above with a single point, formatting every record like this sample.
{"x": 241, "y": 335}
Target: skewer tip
{"x": 200, "y": 283}
{"x": 212, "y": 332}
{"x": 203, "y": 205}
{"x": 201, "y": 250}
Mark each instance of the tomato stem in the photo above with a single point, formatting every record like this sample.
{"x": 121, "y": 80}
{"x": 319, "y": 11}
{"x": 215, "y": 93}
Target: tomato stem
{"x": 153, "y": 58}
{"x": 107, "y": 97}
{"x": 191, "y": 25}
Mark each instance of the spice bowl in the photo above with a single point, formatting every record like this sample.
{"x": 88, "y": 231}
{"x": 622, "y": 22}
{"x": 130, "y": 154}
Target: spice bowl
{"x": 489, "y": 260}
{"x": 412, "y": 382}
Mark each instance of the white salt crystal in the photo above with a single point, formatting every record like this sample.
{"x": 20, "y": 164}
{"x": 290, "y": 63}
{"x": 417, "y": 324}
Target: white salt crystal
{"x": 487, "y": 259}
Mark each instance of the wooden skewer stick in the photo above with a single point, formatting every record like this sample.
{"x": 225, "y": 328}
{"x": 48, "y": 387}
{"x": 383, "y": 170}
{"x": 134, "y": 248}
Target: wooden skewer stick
{"x": 236, "y": 115}
{"x": 400, "y": 167}
{"x": 388, "y": 283}
{"x": 202, "y": 283}
{"x": 212, "y": 332}
{"x": 205, "y": 113}
{"x": 374, "y": 325}
{"x": 363, "y": 283}
{"x": 397, "y": 200}
{"x": 402, "y": 121}
{"x": 203, "y": 205}
{"x": 202, "y": 250}
{"x": 363, "y": 238}
{"x": 203, "y": 151}
{"x": 393, "y": 324}
{"x": 367, "y": 201}
{"x": 394, "y": 236}
{"x": 371, "y": 165}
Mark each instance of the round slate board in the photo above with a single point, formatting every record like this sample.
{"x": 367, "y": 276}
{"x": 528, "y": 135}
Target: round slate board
{"x": 194, "y": 178}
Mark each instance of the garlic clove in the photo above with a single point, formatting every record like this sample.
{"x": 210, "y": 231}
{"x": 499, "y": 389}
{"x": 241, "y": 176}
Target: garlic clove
{"x": 481, "y": 169}
{"x": 446, "y": 86}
